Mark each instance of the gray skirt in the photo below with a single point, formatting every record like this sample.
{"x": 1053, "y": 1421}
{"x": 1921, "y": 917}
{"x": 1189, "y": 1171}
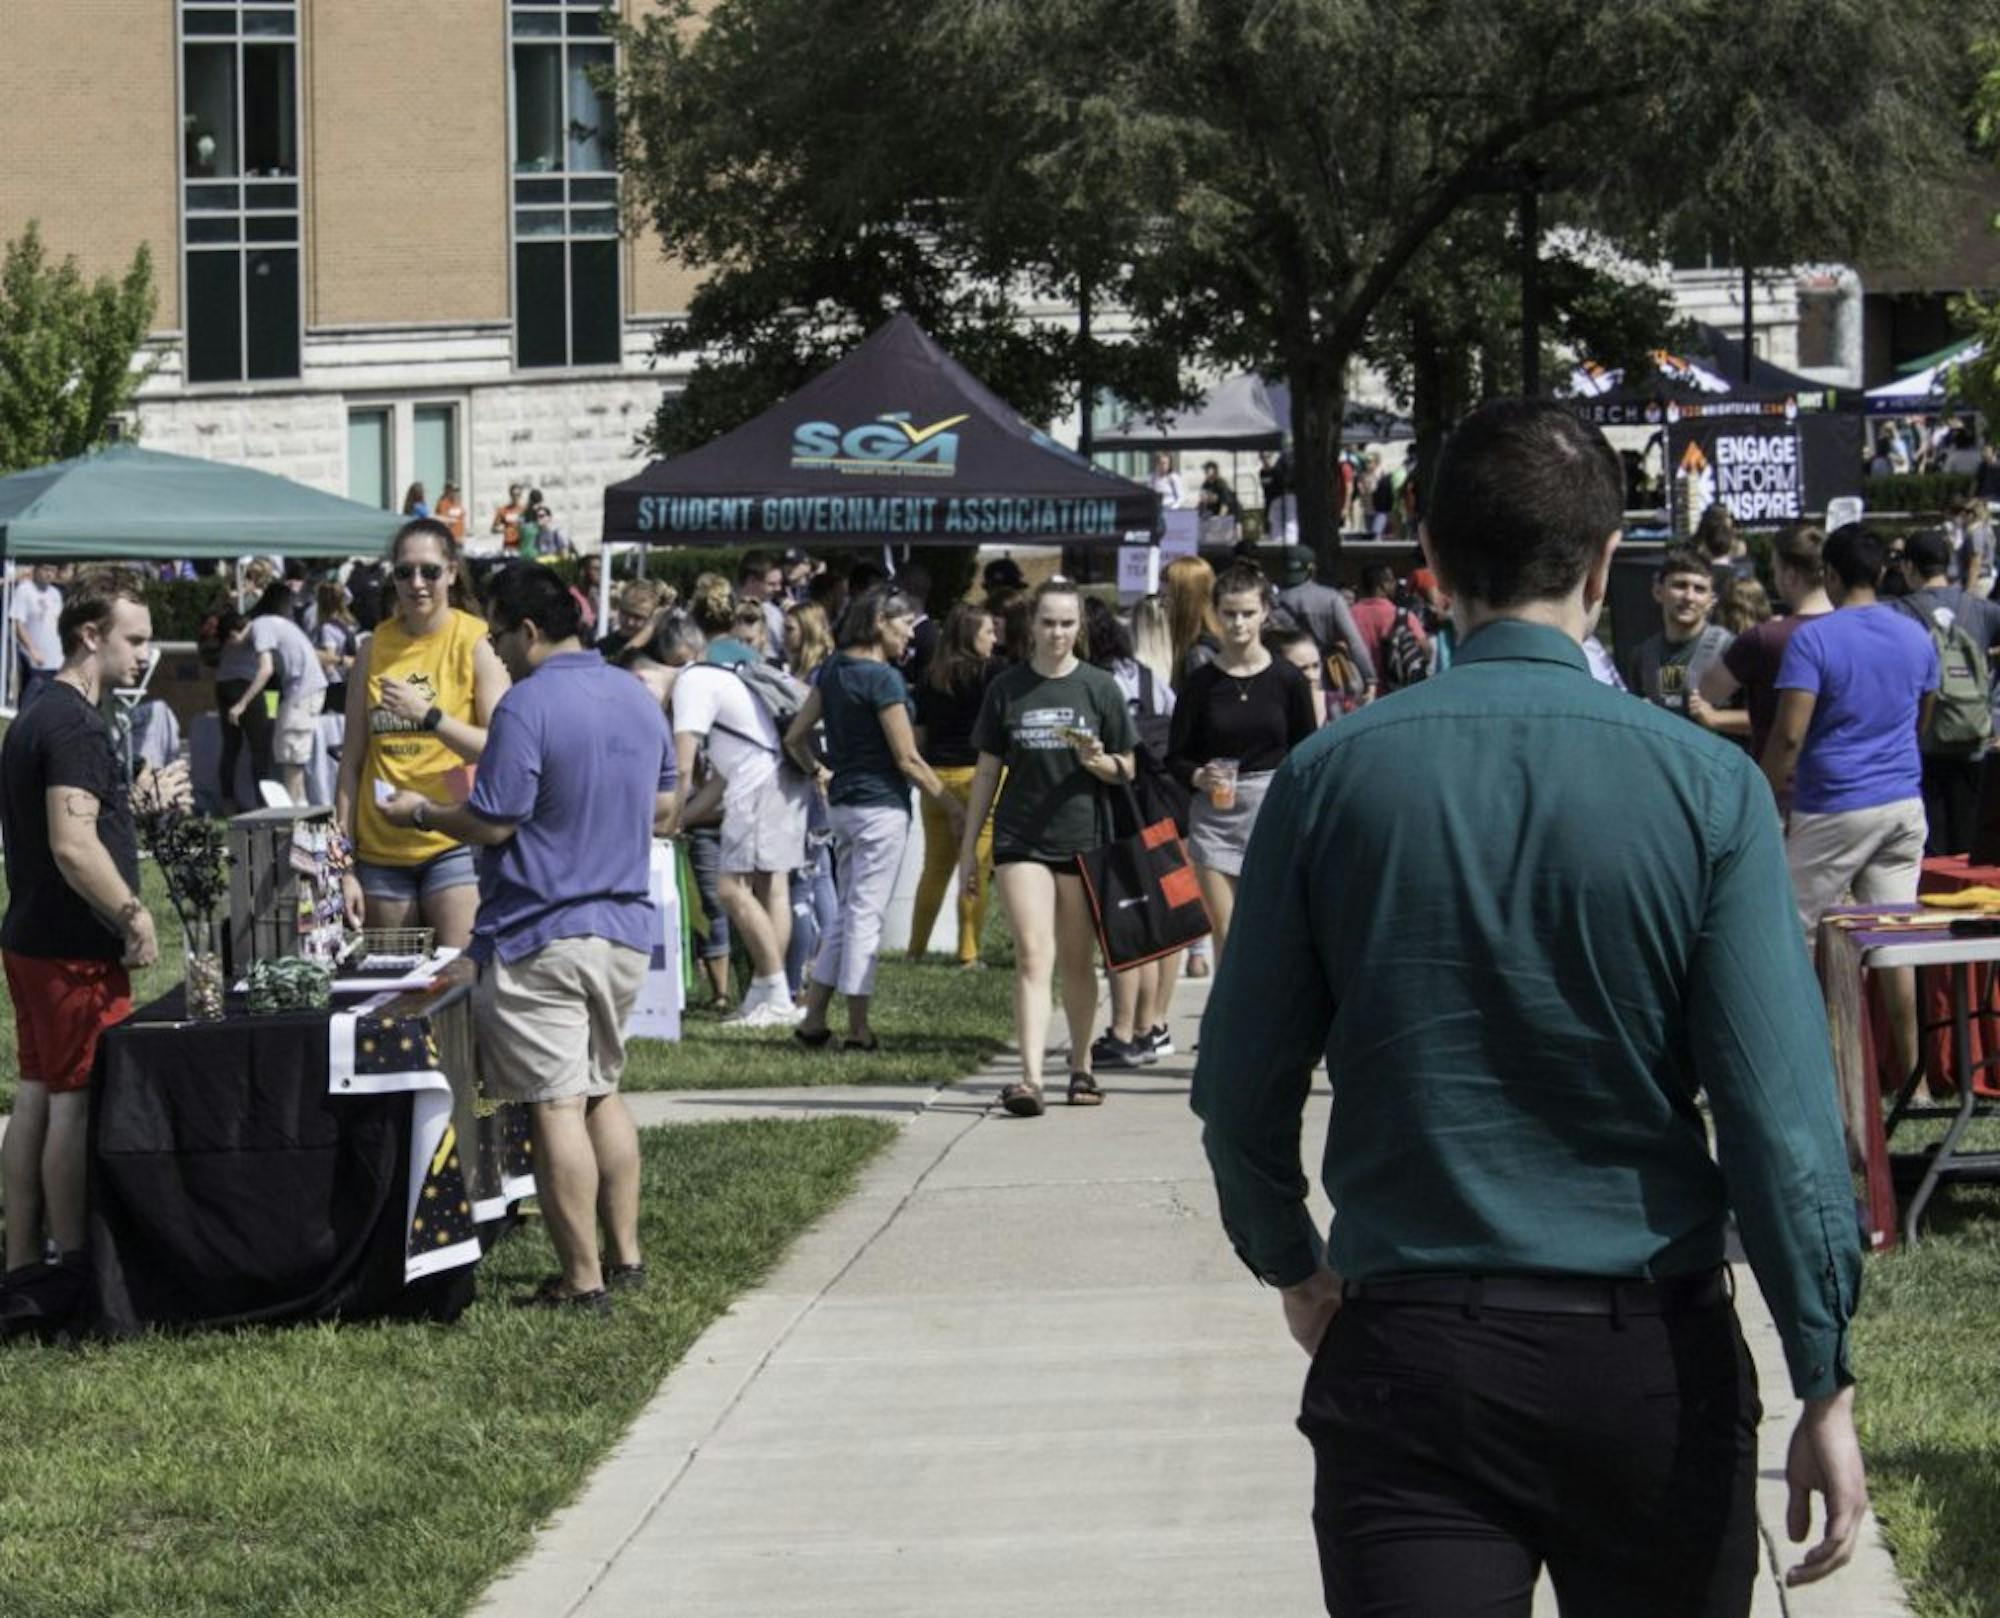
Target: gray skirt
{"x": 1218, "y": 837}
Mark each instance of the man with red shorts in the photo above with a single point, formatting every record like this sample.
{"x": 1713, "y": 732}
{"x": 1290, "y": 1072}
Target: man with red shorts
{"x": 74, "y": 919}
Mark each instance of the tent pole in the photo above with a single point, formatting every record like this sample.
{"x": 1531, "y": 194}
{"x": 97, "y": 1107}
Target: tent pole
{"x": 10, "y": 699}
{"x": 1749, "y": 322}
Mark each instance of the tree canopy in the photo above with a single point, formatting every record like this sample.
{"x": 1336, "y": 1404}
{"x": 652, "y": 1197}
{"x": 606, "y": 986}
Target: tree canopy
{"x": 1247, "y": 183}
{"x": 66, "y": 349}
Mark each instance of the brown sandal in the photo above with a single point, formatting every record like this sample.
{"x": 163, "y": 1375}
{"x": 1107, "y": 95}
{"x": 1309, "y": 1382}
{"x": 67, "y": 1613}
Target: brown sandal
{"x": 1023, "y": 1100}
{"x": 1083, "y": 1091}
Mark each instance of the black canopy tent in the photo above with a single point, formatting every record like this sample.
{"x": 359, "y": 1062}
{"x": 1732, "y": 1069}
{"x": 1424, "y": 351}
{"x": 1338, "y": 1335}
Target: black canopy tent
{"x": 897, "y": 442}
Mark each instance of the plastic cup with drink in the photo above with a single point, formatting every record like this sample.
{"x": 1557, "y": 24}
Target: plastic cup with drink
{"x": 1222, "y": 783}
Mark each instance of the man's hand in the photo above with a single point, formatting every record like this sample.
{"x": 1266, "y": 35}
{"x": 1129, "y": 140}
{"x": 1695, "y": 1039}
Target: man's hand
{"x": 1825, "y": 1459}
{"x": 155, "y": 791}
{"x": 142, "y": 948}
{"x": 1310, "y": 1307}
{"x": 235, "y": 715}
{"x": 401, "y": 809}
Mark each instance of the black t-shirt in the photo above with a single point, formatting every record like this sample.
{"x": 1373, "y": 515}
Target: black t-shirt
{"x": 60, "y": 741}
{"x": 1255, "y": 719}
{"x": 947, "y": 718}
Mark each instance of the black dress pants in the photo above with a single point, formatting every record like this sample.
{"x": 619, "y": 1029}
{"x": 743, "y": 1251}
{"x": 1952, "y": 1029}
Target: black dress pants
{"x": 1951, "y": 803}
{"x": 258, "y": 730}
{"x": 1459, "y": 1453}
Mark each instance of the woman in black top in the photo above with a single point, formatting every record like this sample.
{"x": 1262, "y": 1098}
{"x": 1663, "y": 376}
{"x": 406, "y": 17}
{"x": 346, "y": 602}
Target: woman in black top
{"x": 948, "y": 701}
{"x": 1246, "y": 710}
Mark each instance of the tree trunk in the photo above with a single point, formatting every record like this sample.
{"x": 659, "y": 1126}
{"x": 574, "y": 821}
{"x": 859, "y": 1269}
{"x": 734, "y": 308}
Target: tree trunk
{"x": 1318, "y": 402}
{"x": 1433, "y": 402}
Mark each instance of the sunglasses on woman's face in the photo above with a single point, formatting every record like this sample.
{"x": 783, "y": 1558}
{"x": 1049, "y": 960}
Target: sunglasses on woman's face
{"x": 406, "y": 571}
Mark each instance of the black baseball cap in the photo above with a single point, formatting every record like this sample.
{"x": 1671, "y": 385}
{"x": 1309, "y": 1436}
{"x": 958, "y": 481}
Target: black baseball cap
{"x": 1004, "y": 573}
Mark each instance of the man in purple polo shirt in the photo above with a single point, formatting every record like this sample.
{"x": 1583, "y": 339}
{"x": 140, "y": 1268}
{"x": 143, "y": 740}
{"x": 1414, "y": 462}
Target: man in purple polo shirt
{"x": 578, "y": 770}
{"x": 1855, "y": 688}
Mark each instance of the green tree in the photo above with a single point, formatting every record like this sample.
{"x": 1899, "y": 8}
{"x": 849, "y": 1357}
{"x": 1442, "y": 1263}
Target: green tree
{"x": 1977, "y": 381}
{"x": 828, "y": 162}
{"x": 1248, "y": 182}
{"x": 66, "y": 349}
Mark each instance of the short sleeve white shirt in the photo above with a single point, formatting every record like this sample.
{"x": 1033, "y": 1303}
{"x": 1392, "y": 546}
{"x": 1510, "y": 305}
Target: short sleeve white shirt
{"x": 711, "y": 702}
{"x": 37, "y": 607}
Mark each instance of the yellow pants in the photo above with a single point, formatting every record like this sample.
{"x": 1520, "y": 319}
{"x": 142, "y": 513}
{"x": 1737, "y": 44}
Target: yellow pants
{"x": 940, "y": 860}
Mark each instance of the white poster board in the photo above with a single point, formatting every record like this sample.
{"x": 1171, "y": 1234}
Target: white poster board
{"x": 1180, "y": 533}
{"x": 1138, "y": 571}
{"x": 657, "y": 1013}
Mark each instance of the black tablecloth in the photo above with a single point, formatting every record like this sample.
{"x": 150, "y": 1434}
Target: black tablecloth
{"x": 227, "y": 1186}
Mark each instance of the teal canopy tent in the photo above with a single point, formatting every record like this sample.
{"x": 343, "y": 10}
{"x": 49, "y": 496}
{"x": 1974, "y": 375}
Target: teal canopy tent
{"x": 129, "y": 504}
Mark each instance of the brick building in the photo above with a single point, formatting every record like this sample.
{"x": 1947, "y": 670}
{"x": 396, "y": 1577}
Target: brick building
{"x": 386, "y": 233}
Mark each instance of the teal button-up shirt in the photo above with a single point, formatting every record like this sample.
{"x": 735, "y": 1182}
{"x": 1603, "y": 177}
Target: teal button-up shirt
{"x": 1527, "y": 920}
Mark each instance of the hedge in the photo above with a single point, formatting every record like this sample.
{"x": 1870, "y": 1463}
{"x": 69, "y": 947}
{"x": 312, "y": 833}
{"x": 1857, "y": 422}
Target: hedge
{"x": 1916, "y": 491}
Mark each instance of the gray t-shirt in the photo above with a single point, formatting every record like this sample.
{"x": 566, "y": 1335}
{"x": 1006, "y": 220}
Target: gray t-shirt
{"x": 1322, "y": 612}
{"x": 297, "y": 670}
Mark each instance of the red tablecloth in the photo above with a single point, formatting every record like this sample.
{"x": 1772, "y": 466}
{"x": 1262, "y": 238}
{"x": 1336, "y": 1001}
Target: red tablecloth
{"x": 1947, "y": 874}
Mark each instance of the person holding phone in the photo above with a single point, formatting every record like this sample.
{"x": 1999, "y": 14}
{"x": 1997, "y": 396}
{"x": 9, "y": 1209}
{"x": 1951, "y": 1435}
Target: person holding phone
{"x": 1060, "y": 729}
{"x": 419, "y": 697}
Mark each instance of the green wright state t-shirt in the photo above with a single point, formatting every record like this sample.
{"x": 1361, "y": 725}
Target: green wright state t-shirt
{"x": 1048, "y": 806}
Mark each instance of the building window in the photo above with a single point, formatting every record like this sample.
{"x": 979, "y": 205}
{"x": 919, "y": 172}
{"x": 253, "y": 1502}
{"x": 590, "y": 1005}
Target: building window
{"x": 567, "y": 298}
{"x": 434, "y": 448}
{"x": 368, "y": 456}
{"x": 240, "y": 189}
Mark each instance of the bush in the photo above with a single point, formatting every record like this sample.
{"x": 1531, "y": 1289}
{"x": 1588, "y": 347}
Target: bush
{"x": 179, "y": 605}
{"x": 1915, "y": 491}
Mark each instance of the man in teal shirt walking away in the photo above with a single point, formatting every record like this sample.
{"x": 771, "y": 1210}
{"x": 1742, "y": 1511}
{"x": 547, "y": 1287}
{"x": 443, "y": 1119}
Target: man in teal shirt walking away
{"x": 1527, "y": 922}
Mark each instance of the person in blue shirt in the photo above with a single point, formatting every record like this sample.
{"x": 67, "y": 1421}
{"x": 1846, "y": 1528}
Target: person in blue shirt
{"x": 578, "y": 772}
{"x": 1531, "y": 926}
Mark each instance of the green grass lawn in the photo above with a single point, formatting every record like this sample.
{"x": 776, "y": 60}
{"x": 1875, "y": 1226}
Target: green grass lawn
{"x": 936, "y": 1022}
{"x": 379, "y": 1471}
{"x": 1927, "y": 1357}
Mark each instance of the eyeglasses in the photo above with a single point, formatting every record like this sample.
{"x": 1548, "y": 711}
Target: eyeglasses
{"x": 406, "y": 571}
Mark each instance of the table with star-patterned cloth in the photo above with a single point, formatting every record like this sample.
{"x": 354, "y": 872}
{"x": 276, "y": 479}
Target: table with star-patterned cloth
{"x": 297, "y": 1166}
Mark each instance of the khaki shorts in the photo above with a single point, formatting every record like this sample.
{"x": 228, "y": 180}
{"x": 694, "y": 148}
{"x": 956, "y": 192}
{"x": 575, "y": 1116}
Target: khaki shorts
{"x": 552, "y": 1025}
{"x": 292, "y": 740}
{"x": 1877, "y": 855}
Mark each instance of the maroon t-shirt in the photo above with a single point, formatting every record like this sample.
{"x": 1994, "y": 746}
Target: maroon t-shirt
{"x": 1753, "y": 657}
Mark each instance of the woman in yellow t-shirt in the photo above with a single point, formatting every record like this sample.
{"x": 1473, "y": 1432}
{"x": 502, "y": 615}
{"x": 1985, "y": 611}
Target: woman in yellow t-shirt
{"x": 419, "y": 698}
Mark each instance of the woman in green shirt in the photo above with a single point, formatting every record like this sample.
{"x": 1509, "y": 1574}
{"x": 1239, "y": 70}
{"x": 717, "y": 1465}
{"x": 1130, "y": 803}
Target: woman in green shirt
{"x": 1058, "y": 727}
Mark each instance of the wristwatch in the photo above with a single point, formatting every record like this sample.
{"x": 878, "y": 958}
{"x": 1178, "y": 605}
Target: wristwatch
{"x": 417, "y": 810}
{"x": 434, "y": 717}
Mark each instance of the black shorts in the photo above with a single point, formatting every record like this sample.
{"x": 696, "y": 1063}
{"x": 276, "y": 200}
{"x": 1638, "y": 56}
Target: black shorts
{"x": 1014, "y": 856}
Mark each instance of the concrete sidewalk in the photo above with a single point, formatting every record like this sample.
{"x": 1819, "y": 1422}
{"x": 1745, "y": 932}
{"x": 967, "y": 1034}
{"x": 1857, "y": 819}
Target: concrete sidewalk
{"x": 1019, "y": 1371}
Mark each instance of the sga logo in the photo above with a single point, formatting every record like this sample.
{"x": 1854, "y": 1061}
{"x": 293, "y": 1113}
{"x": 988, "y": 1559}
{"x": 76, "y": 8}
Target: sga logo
{"x": 888, "y": 444}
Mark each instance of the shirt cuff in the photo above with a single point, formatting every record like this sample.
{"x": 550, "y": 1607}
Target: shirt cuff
{"x": 1818, "y": 1361}
{"x": 1282, "y": 1254}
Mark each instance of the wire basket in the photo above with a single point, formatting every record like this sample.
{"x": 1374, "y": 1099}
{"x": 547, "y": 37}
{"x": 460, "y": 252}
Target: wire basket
{"x": 397, "y": 941}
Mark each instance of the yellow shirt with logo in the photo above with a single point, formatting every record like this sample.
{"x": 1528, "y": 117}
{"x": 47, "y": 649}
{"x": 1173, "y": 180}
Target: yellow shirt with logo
{"x": 438, "y": 666}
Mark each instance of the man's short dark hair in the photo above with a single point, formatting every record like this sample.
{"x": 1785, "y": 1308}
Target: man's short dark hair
{"x": 93, "y": 600}
{"x": 1525, "y": 497}
{"x": 1929, "y": 551}
{"x": 1682, "y": 559}
{"x": 1855, "y": 555}
{"x": 755, "y": 565}
{"x": 1378, "y": 579}
{"x": 528, "y": 593}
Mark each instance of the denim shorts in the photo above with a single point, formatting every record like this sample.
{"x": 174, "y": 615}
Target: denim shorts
{"x": 453, "y": 868}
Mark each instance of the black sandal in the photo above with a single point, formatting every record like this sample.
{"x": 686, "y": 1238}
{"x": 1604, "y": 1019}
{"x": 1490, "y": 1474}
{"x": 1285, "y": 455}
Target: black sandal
{"x": 1083, "y": 1091}
{"x": 814, "y": 1041}
{"x": 870, "y": 1047}
{"x": 1023, "y": 1100}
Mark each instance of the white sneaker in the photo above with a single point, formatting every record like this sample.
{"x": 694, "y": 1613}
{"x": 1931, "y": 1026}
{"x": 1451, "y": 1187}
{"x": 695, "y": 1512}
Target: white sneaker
{"x": 770, "y": 1015}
